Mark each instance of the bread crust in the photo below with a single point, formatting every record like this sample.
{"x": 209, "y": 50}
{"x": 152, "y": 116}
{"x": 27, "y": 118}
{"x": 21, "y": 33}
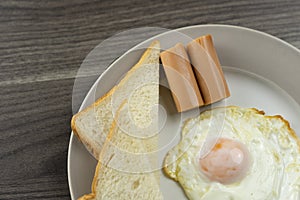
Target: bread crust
{"x": 92, "y": 195}
{"x": 87, "y": 197}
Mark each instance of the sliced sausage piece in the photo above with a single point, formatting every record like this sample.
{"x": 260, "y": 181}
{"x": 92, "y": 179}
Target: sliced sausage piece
{"x": 208, "y": 71}
{"x": 181, "y": 79}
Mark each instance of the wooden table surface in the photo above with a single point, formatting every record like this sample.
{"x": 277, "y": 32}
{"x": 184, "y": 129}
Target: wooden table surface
{"x": 42, "y": 46}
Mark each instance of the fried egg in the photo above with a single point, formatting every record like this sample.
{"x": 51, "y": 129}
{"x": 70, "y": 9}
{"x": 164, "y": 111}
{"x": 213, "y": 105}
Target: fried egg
{"x": 234, "y": 153}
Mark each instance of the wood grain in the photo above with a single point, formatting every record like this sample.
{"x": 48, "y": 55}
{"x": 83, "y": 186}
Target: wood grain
{"x": 42, "y": 45}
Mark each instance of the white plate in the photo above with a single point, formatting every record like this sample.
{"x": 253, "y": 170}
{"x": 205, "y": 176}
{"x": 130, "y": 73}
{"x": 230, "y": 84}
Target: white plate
{"x": 264, "y": 73}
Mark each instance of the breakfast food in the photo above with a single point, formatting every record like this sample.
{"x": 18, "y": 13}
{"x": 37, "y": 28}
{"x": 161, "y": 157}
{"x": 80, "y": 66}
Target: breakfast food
{"x": 248, "y": 156}
{"x": 180, "y": 75}
{"x": 208, "y": 70}
{"x": 121, "y": 172}
{"x": 127, "y": 160}
{"x": 228, "y": 153}
{"x": 93, "y": 124}
{"x": 203, "y": 84}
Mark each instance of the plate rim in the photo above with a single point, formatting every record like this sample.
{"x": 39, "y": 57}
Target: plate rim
{"x": 288, "y": 45}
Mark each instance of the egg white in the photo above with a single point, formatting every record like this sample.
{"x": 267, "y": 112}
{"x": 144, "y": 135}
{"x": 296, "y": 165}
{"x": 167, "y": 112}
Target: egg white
{"x": 274, "y": 148}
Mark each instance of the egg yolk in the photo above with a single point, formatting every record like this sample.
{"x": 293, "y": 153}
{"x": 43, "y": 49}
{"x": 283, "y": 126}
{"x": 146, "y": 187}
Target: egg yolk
{"x": 227, "y": 162}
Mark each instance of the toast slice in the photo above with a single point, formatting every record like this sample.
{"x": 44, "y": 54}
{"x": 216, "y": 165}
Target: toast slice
{"x": 93, "y": 124}
{"x": 124, "y": 167}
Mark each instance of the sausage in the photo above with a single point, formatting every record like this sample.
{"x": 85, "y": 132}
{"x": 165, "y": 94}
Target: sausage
{"x": 181, "y": 79}
{"x": 208, "y": 71}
